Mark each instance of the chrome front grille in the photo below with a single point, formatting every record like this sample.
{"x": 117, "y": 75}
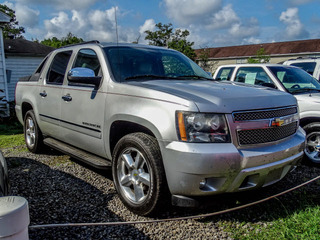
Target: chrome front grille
{"x": 256, "y": 136}
{"x": 265, "y": 126}
{"x": 264, "y": 114}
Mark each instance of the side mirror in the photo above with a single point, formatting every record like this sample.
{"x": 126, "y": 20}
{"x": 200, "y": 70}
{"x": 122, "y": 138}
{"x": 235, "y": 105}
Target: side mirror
{"x": 83, "y": 76}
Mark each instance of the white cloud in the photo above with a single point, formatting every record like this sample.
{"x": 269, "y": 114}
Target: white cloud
{"x": 58, "y": 26}
{"x": 93, "y": 25}
{"x": 150, "y": 25}
{"x": 61, "y": 4}
{"x": 202, "y": 17}
{"x": 251, "y": 40}
{"x": 295, "y": 29}
{"x": 186, "y": 12}
{"x": 9, "y": 5}
{"x": 102, "y": 20}
{"x": 26, "y": 16}
{"x": 224, "y": 18}
{"x": 241, "y": 30}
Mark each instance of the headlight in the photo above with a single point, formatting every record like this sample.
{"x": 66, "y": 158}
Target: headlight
{"x": 202, "y": 127}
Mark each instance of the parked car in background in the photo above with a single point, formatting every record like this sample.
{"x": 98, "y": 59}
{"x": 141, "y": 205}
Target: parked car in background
{"x": 310, "y": 65}
{"x": 289, "y": 79}
{"x": 4, "y": 180}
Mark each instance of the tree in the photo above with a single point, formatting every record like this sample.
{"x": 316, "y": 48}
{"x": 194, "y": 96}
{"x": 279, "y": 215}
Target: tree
{"x": 165, "y": 37}
{"x": 261, "y": 57}
{"x": 11, "y": 29}
{"x": 204, "y": 57}
{"x": 56, "y": 43}
{"x": 161, "y": 36}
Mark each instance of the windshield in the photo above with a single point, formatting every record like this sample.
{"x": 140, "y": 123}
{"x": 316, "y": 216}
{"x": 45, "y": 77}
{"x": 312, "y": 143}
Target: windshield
{"x": 138, "y": 63}
{"x": 295, "y": 80}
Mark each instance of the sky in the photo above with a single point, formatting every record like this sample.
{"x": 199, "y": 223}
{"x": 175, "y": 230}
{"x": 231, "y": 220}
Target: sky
{"x": 211, "y": 23}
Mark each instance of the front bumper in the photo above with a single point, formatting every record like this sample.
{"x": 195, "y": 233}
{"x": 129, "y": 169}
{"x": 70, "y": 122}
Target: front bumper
{"x": 199, "y": 169}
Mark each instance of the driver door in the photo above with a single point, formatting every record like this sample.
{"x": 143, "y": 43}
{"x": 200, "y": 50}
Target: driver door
{"x": 83, "y": 108}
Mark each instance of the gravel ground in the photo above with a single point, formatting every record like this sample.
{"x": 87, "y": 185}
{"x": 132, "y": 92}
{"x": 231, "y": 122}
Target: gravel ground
{"x": 60, "y": 190}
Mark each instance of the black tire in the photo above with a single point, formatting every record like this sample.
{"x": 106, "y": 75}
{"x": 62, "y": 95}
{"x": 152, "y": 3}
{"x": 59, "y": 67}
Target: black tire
{"x": 138, "y": 192}
{"x": 312, "y": 149}
{"x": 32, "y": 133}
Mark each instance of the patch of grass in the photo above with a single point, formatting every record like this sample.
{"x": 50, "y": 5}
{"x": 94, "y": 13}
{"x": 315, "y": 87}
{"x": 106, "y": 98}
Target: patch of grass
{"x": 291, "y": 222}
{"x": 11, "y": 133}
{"x": 62, "y": 160}
{"x": 10, "y": 141}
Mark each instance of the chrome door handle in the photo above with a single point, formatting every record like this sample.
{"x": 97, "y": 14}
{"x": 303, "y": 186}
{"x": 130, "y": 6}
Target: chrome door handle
{"x": 67, "y": 98}
{"x": 43, "y": 94}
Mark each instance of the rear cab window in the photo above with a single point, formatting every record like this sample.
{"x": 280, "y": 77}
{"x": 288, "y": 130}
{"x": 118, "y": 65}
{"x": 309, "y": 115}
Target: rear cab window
{"x": 58, "y": 68}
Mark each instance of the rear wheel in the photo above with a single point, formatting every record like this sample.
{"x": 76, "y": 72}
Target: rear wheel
{"x": 138, "y": 173}
{"x": 32, "y": 134}
{"x": 312, "y": 150}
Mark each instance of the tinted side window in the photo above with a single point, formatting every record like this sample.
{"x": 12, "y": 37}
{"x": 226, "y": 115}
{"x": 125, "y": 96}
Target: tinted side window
{"x": 58, "y": 68}
{"x": 253, "y": 75}
{"x": 307, "y": 66}
{"x": 225, "y": 73}
{"x": 87, "y": 58}
{"x": 39, "y": 69}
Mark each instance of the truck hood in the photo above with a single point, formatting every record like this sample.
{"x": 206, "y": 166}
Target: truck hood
{"x": 221, "y": 97}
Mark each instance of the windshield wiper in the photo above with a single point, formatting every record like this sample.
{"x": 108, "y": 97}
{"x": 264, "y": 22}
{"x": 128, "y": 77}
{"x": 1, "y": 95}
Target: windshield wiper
{"x": 305, "y": 90}
{"x": 195, "y": 76}
{"x": 150, "y": 76}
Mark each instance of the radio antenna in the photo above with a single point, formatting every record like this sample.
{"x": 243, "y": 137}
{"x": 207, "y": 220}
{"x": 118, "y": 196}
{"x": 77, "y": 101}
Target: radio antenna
{"x": 118, "y": 53}
{"x": 115, "y": 18}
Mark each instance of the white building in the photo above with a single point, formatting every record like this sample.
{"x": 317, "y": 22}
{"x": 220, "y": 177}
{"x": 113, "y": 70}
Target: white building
{"x": 22, "y": 58}
{"x": 4, "y": 106}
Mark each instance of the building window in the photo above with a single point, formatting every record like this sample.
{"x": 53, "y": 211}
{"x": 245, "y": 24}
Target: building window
{"x": 8, "y": 72}
{"x": 242, "y": 60}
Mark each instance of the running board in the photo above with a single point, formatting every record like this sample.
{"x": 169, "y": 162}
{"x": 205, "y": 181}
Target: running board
{"x": 88, "y": 158}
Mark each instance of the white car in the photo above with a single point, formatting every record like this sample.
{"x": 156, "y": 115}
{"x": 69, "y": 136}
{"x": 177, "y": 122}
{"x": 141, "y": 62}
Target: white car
{"x": 289, "y": 79}
{"x": 310, "y": 65}
{"x": 4, "y": 181}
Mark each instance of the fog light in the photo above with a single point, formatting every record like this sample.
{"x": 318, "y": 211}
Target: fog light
{"x": 202, "y": 183}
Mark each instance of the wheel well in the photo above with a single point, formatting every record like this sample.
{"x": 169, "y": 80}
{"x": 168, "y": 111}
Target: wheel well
{"x": 122, "y": 128}
{"x": 306, "y": 121}
{"x": 25, "y": 108}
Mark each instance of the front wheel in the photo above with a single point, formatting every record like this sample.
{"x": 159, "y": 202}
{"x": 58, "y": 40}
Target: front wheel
{"x": 312, "y": 150}
{"x": 138, "y": 173}
{"x": 32, "y": 133}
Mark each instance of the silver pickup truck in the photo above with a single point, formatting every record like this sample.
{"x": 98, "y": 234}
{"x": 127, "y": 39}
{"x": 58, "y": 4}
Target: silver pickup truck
{"x": 160, "y": 122}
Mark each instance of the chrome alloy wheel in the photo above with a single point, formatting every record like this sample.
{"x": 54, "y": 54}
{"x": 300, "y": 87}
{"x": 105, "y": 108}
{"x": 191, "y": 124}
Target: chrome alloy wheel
{"x": 134, "y": 175}
{"x": 313, "y": 147}
{"x": 30, "y": 132}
